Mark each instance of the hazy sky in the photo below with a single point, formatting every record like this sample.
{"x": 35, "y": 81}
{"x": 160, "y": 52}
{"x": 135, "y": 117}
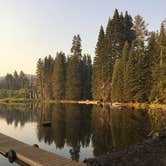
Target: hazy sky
{"x": 30, "y": 29}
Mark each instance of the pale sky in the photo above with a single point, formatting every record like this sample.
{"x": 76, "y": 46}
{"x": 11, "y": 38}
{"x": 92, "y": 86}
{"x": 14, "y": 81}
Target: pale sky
{"x": 30, "y": 29}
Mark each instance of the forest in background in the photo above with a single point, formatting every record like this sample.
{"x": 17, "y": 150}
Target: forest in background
{"x": 129, "y": 66}
{"x": 16, "y": 85}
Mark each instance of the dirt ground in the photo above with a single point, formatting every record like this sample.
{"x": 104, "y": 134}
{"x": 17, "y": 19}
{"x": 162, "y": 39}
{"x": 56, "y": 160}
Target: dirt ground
{"x": 151, "y": 153}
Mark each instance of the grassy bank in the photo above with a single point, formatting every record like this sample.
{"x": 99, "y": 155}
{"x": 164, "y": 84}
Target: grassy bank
{"x": 16, "y": 100}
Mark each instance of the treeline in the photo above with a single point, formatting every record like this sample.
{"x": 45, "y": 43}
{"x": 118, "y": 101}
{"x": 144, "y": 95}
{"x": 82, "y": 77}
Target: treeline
{"x": 65, "y": 77}
{"x": 15, "y": 81}
{"x": 129, "y": 65}
{"x": 130, "y": 61}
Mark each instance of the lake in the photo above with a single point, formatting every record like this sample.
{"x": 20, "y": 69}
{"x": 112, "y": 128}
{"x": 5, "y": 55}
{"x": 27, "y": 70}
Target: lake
{"x": 78, "y": 131}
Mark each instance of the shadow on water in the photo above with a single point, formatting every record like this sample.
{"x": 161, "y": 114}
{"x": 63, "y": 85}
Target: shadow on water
{"x": 78, "y": 127}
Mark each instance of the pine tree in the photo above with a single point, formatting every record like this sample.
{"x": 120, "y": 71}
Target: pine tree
{"x": 118, "y": 79}
{"x": 138, "y": 71}
{"x": 138, "y": 74}
{"x": 140, "y": 28}
{"x": 158, "y": 91}
{"x": 16, "y": 80}
{"x": 40, "y": 79}
{"x": 143, "y": 74}
{"x": 130, "y": 76}
{"x": 108, "y": 50}
{"x": 117, "y": 82}
{"x": 23, "y": 80}
{"x": 124, "y": 60}
{"x": 73, "y": 82}
{"x": 98, "y": 66}
{"x": 117, "y": 35}
{"x": 59, "y": 76}
{"x": 152, "y": 53}
{"x": 129, "y": 33}
{"x": 48, "y": 72}
{"x": 118, "y": 31}
{"x": 86, "y": 77}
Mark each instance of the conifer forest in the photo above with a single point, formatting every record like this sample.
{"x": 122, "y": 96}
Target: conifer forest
{"x": 83, "y": 81}
{"x": 129, "y": 65}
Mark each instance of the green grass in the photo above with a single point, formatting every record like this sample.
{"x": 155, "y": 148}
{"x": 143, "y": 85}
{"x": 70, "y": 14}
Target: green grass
{"x": 16, "y": 100}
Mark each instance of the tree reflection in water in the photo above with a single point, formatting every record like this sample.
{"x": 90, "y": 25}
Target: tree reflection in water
{"x": 70, "y": 125}
{"x": 16, "y": 115}
{"x": 83, "y": 126}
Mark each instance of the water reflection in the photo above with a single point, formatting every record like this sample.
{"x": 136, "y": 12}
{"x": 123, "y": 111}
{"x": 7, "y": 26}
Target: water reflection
{"x": 101, "y": 130}
{"x": 84, "y": 128}
{"x": 15, "y": 115}
{"x": 129, "y": 127}
{"x": 70, "y": 125}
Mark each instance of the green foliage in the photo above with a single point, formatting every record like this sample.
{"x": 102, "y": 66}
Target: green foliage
{"x": 140, "y": 76}
{"x": 118, "y": 79}
{"x": 65, "y": 77}
{"x": 158, "y": 90}
{"x": 59, "y": 77}
{"x": 86, "y": 77}
{"x": 117, "y": 82}
{"x": 15, "y": 81}
{"x": 98, "y": 65}
{"x": 73, "y": 78}
{"x": 130, "y": 76}
{"x": 108, "y": 50}
{"x": 22, "y": 93}
{"x": 44, "y": 74}
{"x": 129, "y": 65}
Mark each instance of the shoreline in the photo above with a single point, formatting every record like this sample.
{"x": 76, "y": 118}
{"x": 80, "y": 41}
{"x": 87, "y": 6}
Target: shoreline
{"x": 152, "y": 152}
{"x": 87, "y": 102}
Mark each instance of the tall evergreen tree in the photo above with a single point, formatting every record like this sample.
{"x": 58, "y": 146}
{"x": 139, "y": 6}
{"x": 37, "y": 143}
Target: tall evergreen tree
{"x": 143, "y": 74}
{"x": 108, "y": 51}
{"x": 138, "y": 67}
{"x": 23, "y": 80}
{"x": 129, "y": 33}
{"x": 117, "y": 82}
{"x": 73, "y": 82}
{"x": 48, "y": 72}
{"x": 130, "y": 76}
{"x": 118, "y": 79}
{"x": 40, "y": 79}
{"x": 98, "y": 66}
{"x": 137, "y": 74}
{"x": 59, "y": 76}
{"x": 117, "y": 35}
{"x": 16, "y": 80}
{"x": 86, "y": 77}
{"x": 158, "y": 91}
{"x": 140, "y": 28}
{"x": 152, "y": 53}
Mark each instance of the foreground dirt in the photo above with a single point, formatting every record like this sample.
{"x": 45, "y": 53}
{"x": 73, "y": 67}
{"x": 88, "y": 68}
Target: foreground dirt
{"x": 151, "y": 153}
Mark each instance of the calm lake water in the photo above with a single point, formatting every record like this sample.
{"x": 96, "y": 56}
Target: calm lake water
{"x": 78, "y": 131}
